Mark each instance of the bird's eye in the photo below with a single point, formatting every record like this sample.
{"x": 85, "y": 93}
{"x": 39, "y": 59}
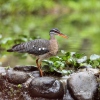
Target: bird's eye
{"x": 54, "y": 31}
{"x": 57, "y": 31}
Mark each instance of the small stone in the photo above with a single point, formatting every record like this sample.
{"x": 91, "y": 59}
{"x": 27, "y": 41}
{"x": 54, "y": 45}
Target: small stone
{"x": 46, "y": 87}
{"x": 17, "y": 77}
{"x": 82, "y": 86}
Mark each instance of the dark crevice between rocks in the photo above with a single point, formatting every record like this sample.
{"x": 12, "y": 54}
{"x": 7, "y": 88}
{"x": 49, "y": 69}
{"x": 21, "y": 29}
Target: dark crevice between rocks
{"x": 97, "y": 96}
{"x": 70, "y": 91}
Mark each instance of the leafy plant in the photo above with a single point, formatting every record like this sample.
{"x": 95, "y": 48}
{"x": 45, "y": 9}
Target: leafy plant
{"x": 71, "y": 61}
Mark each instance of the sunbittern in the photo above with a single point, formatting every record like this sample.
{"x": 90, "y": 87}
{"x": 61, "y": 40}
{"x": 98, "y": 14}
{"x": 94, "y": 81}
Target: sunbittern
{"x": 41, "y": 48}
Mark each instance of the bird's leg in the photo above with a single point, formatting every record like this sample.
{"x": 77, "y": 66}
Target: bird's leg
{"x": 39, "y": 67}
{"x": 41, "y": 72}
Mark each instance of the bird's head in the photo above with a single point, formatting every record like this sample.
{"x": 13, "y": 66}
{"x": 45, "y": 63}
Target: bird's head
{"x": 55, "y": 31}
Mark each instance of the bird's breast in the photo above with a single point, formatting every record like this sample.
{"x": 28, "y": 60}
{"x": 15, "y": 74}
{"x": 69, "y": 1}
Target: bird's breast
{"x": 53, "y": 47}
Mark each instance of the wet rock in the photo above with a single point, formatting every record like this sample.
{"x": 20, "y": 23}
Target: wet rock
{"x": 46, "y": 87}
{"x": 16, "y": 77}
{"x": 82, "y": 86}
{"x": 25, "y": 68}
{"x": 91, "y": 70}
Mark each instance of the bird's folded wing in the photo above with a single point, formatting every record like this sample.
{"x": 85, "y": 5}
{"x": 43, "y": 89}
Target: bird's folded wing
{"x": 36, "y": 47}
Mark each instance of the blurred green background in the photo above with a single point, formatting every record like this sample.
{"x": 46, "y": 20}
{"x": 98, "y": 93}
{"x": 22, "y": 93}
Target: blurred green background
{"x": 24, "y": 20}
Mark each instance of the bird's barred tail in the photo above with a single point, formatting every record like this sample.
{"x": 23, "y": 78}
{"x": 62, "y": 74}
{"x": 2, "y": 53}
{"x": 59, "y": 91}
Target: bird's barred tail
{"x": 9, "y": 50}
{"x": 17, "y": 48}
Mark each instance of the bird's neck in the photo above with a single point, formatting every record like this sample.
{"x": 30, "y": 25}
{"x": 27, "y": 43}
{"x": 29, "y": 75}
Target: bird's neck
{"x": 53, "y": 45}
{"x": 52, "y": 36}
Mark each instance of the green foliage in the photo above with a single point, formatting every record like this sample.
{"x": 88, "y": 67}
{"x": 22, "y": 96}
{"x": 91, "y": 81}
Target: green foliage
{"x": 71, "y": 60}
{"x": 19, "y": 86}
{"x": 24, "y": 20}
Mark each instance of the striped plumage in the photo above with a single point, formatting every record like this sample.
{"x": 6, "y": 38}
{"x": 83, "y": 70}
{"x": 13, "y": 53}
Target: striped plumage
{"x": 39, "y": 47}
{"x": 36, "y": 47}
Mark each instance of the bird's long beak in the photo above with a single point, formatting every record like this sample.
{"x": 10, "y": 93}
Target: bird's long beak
{"x": 62, "y": 35}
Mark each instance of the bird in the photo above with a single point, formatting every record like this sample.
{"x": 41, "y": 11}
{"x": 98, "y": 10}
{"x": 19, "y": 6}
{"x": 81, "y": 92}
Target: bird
{"x": 41, "y": 48}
